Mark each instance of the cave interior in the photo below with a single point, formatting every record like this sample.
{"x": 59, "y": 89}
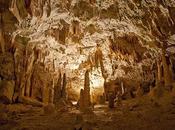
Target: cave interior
{"x": 87, "y": 65}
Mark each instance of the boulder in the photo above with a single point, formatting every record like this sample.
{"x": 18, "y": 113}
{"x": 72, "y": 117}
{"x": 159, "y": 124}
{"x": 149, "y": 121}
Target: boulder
{"x": 6, "y": 91}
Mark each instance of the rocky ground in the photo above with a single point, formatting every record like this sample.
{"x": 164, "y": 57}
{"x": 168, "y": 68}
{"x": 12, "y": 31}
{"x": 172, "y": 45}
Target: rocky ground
{"x": 141, "y": 113}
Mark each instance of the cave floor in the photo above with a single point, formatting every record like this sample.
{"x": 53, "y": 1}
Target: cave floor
{"x": 134, "y": 114}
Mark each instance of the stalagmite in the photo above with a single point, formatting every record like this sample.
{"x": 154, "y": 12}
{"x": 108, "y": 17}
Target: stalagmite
{"x": 85, "y": 101}
{"x": 139, "y": 91}
{"x": 57, "y": 89}
{"x": 159, "y": 76}
{"x": 111, "y": 98}
{"x": 87, "y": 90}
{"x": 29, "y": 68}
{"x": 22, "y": 85}
{"x": 2, "y": 42}
{"x": 102, "y": 99}
{"x": 81, "y": 100}
{"x": 167, "y": 78}
{"x": 64, "y": 91}
{"x": 122, "y": 86}
{"x": 45, "y": 94}
{"x": 51, "y": 92}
